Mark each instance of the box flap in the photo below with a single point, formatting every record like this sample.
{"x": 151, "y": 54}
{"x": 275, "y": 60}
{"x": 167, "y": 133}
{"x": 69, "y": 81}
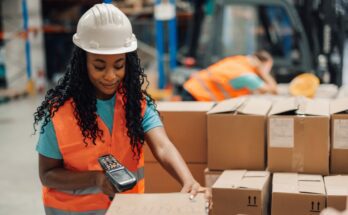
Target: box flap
{"x": 307, "y": 177}
{"x": 339, "y": 105}
{"x": 254, "y": 180}
{"x": 228, "y": 105}
{"x": 301, "y": 106}
{"x": 255, "y": 106}
{"x": 157, "y": 204}
{"x": 229, "y": 179}
{"x": 317, "y": 107}
{"x": 336, "y": 185}
{"x": 284, "y": 105}
{"x": 298, "y": 183}
{"x": 242, "y": 179}
{"x": 285, "y": 183}
{"x": 311, "y": 184}
{"x": 256, "y": 174}
{"x": 185, "y": 106}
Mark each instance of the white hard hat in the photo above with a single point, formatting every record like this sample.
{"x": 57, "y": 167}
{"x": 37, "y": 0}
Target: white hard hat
{"x": 104, "y": 29}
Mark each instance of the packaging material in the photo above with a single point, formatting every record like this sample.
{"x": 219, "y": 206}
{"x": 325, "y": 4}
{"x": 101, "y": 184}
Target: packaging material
{"x": 299, "y": 194}
{"x": 241, "y": 192}
{"x": 157, "y": 180}
{"x": 210, "y": 176}
{"x": 157, "y": 204}
{"x": 236, "y": 134}
{"x": 337, "y": 191}
{"x": 299, "y": 136}
{"x": 186, "y": 126}
{"x": 339, "y": 136}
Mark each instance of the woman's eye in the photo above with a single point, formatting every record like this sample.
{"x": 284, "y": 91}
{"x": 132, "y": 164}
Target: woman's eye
{"x": 99, "y": 68}
{"x": 119, "y": 67}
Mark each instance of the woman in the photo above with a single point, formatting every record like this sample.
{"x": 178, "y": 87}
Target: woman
{"x": 99, "y": 108}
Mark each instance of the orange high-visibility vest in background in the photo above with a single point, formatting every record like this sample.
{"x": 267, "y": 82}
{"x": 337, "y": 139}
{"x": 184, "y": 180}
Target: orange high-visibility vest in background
{"x": 213, "y": 83}
{"x": 79, "y": 157}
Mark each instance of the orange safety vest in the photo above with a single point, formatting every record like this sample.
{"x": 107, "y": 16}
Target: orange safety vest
{"x": 213, "y": 83}
{"x": 79, "y": 157}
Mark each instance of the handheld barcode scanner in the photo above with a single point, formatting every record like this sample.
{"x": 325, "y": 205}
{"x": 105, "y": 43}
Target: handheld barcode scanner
{"x": 118, "y": 175}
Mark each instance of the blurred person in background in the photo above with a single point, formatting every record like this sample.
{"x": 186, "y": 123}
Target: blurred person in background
{"x": 99, "y": 108}
{"x": 232, "y": 77}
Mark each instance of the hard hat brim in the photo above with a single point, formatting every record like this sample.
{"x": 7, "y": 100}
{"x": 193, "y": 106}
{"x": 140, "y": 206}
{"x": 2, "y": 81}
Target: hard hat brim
{"x": 133, "y": 46}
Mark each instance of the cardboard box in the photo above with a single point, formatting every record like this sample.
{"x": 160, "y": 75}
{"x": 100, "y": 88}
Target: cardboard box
{"x": 298, "y": 194}
{"x": 157, "y": 180}
{"x": 241, "y": 192}
{"x": 186, "y": 126}
{"x": 210, "y": 176}
{"x": 299, "y": 136}
{"x": 337, "y": 191}
{"x": 236, "y": 134}
{"x": 339, "y": 136}
{"x": 157, "y": 204}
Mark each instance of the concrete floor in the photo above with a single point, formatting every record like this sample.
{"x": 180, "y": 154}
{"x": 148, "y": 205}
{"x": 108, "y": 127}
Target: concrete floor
{"x": 19, "y": 182}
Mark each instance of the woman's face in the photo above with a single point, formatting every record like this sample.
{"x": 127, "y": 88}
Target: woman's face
{"x": 106, "y": 73}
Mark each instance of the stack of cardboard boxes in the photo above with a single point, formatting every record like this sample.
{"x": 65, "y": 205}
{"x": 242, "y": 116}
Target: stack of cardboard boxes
{"x": 298, "y": 142}
{"x": 237, "y": 144}
{"x": 243, "y": 140}
{"x": 339, "y": 136}
{"x": 185, "y": 124}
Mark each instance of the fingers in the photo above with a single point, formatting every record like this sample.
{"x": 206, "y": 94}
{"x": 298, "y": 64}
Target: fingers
{"x": 194, "y": 190}
{"x": 105, "y": 185}
{"x": 209, "y": 197}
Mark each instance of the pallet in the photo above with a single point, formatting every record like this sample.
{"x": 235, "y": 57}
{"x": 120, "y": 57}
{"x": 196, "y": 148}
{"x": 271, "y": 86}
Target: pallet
{"x": 7, "y": 95}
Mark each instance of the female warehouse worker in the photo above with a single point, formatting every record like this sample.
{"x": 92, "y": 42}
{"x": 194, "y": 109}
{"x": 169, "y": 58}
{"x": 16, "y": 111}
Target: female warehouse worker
{"x": 99, "y": 108}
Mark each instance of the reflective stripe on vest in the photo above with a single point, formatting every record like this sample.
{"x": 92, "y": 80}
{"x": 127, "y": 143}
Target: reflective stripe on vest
{"x": 80, "y": 157}
{"x": 139, "y": 174}
{"x": 219, "y": 86}
{"x": 221, "y": 90}
{"x": 53, "y": 211}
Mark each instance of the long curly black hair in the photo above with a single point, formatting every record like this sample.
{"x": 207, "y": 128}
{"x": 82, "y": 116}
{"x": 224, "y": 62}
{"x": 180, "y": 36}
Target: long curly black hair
{"x": 75, "y": 84}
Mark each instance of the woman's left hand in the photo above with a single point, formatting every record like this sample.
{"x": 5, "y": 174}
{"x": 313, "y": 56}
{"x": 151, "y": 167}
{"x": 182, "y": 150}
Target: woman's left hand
{"x": 194, "y": 188}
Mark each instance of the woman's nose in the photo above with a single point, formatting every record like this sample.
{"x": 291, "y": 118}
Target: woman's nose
{"x": 110, "y": 75}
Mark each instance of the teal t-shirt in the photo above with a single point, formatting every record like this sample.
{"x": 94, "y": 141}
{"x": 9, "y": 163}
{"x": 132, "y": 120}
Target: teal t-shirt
{"x": 249, "y": 80}
{"x": 48, "y": 144}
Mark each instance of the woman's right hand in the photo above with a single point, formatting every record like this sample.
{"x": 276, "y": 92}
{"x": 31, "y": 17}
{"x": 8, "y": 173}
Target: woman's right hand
{"x": 105, "y": 185}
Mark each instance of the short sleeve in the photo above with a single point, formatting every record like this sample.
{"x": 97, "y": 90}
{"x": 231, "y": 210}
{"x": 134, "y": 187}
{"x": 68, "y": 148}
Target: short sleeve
{"x": 151, "y": 118}
{"x": 249, "y": 81}
{"x": 48, "y": 144}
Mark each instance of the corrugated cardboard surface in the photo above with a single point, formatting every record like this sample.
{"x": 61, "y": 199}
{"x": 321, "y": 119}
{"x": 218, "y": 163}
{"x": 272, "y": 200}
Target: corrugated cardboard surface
{"x": 241, "y": 192}
{"x": 339, "y": 136}
{"x": 186, "y": 126}
{"x": 299, "y": 143}
{"x": 157, "y": 204}
{"x": 157, "y": 180}
{"x": 337, "y": 191}
{"x": 294, "y": 193}
{"x": 236, "y": 134}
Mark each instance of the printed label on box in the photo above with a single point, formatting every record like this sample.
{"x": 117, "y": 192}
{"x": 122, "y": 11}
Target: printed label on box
{"x": 281, "y": 132}
{"x": 340, "y": 134}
